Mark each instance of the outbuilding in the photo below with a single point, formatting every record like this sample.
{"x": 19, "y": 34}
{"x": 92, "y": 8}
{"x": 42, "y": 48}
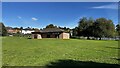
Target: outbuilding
{"x": 50, "y": 33}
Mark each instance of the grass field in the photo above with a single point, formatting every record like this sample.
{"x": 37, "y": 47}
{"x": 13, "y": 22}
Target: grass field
{"x": 33, "y": 52}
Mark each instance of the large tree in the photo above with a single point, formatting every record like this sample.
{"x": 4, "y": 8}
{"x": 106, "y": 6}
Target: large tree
{"x": 84, "y": 26}
{"x": 100, "y": 27}
{"x": 104, "y": 27}
{"x": 89, "y": 28}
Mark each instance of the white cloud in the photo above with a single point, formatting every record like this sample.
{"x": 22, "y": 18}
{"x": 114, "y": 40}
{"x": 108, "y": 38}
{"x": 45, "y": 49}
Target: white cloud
{"x": 35, "y": 19}
{"x": 19, "y": 17}
{"x": 110, "y": 6}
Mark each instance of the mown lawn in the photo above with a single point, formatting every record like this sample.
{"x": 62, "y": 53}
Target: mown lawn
{"x": 33, "y": 52}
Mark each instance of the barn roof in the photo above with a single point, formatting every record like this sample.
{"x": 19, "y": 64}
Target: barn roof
{"x": 48, "y": 30}
{"x": 51, "y": 30}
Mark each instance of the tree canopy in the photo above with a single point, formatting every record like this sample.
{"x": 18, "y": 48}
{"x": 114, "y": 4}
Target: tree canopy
{"x": 51, "y": 26}
{"x": 3, "y": 31}
{"x": 118, "y": 29}
{"x": 100, "y": 27}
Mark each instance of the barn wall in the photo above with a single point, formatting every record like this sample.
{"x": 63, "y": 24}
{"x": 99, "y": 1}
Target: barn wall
{"x": 64, "y": 36}
{"x": 44, "y": 35}
{"x": 61, "y": 36}
{"x": 52, "y": 36}
{"x": 32, "y": 36}
{"x": 37, "y": 35}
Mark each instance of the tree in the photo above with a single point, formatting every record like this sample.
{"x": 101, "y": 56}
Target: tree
{"x": 28, "y": 28}
{"x": 82, "y": 23}
{"x": 118, "y": 29}
{"x": 89, "y": 28}
{"x": 16, "y": 28}
{"x": 75, "y": 31}
{"x": 100, "y": 27}
{"x": 51, "y": 26}
{"x": 65, "y": 29}
{"x": 21, "y": 28}
{"x": 3, "y": 30}
{"x": 103, "y": 28}
{"x": 84, "y": 26}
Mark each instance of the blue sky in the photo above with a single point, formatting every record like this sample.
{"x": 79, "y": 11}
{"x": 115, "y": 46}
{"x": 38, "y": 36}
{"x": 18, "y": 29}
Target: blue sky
{"x": 40, "y": 14}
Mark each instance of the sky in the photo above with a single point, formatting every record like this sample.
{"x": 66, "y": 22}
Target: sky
{"x": 65, "y": 14}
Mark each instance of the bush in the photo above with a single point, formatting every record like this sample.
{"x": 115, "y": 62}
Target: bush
{"x": 75, "y": 37}
{"x": 82, "y": 37}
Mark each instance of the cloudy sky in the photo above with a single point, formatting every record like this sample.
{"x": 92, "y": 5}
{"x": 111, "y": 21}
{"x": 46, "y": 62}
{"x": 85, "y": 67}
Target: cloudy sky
{"x": 40, "y": 14}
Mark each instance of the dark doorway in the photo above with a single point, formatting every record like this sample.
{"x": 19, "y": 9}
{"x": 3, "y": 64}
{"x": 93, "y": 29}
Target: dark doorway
{"x": 48, "y": 36}
{"x": 35, "y": 36}
{"x": 56, "y": 36}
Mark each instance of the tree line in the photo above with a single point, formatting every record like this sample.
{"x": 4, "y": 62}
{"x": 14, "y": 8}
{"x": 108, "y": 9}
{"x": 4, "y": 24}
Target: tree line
{"x": 87, "y": 27}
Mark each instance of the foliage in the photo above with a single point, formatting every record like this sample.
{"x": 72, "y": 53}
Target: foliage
{"x": 65, "y": 29}
{"x": 21, "y": 28}
{"x": 100, "y": 27}
{"x": 51, "y": 26}
{"x": 75, "y": 31}
{"x": 3, "y": 30}
{"x": 83, "y": 26}
{"x": 106, "y": 27}
{"x": 118, "y": 29}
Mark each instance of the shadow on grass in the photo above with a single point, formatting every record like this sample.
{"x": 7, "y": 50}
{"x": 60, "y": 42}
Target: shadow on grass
{"x": 70, "y": 64}
{"x": 79, "y": 64}
{"x": 113, "y": 48}
{"x": 118, "y": 59}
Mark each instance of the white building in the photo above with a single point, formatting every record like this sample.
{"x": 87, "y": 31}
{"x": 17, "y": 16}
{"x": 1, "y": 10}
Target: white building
{"x": 27, "y": 31}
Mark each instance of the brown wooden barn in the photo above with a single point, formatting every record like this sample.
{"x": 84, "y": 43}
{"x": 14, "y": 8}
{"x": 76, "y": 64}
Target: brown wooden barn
{"x": 50, "y": 33}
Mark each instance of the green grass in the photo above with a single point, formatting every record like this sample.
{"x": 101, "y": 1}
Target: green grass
{"x": 33, "y": 52}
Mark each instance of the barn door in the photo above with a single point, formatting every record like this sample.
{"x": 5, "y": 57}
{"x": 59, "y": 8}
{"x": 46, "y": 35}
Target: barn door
{"x": 35, "y": 36}
{"x": 48, "y": 36}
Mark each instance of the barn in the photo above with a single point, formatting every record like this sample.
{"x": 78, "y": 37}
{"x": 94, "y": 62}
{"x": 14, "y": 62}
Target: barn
{"x": 50, "y": 33}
